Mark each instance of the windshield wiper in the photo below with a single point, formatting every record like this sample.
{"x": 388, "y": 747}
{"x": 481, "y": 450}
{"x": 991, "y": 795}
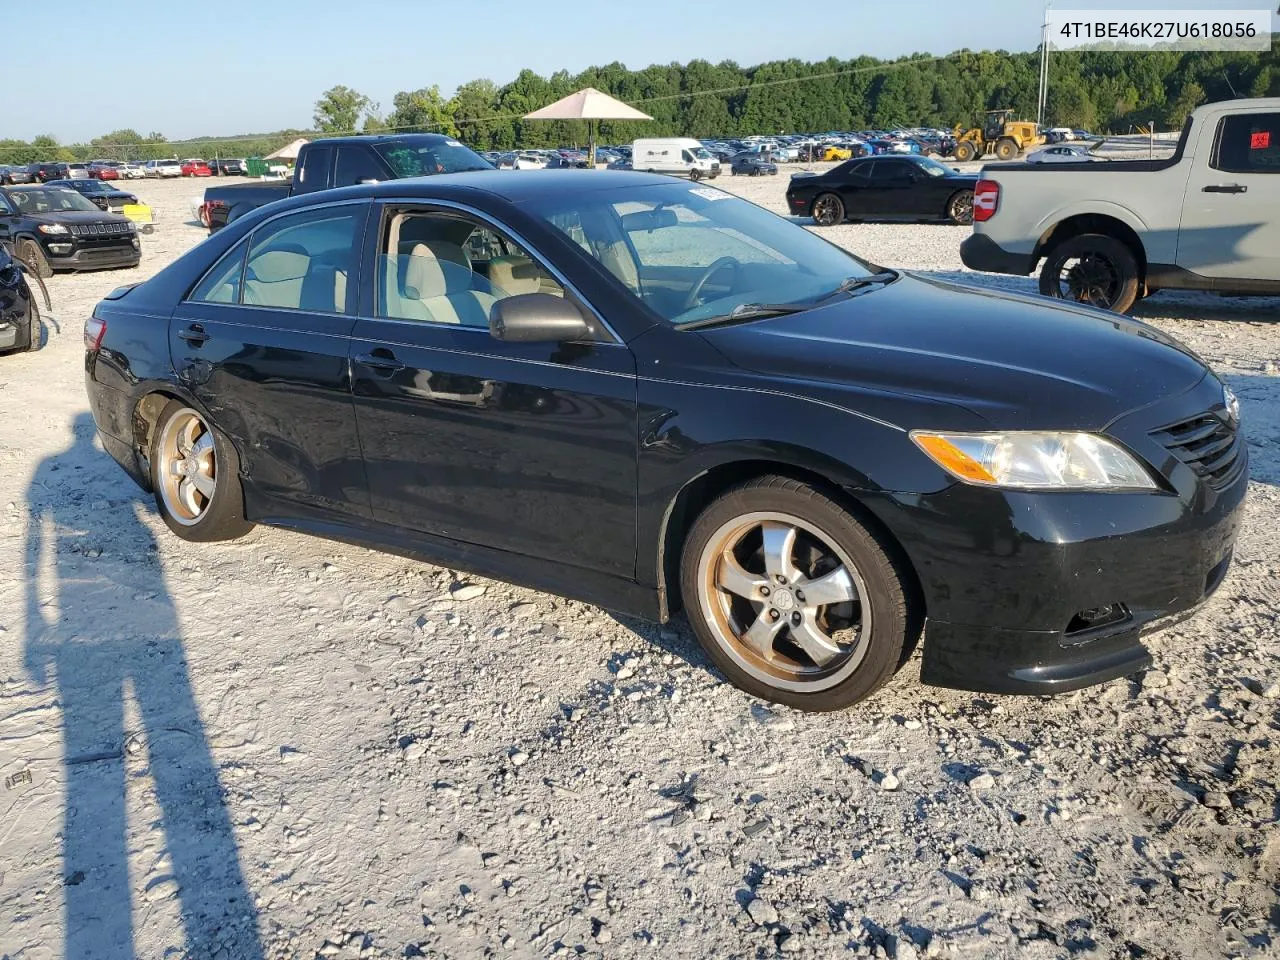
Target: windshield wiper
{"x": 855, "y": 283}
{"x": 747, "y": 311}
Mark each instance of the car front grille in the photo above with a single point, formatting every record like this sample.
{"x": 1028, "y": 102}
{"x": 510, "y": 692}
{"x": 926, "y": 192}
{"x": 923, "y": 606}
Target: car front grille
{"x": 1208, "y": 444}
{"x": 98, "y": 229}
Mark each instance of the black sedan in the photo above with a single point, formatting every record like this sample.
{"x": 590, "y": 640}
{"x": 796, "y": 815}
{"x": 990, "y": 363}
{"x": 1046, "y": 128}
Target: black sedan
{"x": 19, "y": 317}
{"x": 52, "y": 228}
{"x": 748, "y": 164}
{"x": 908, "y": 188}
{"x": 103, "y": 195}
{"x": 649, "y": 394}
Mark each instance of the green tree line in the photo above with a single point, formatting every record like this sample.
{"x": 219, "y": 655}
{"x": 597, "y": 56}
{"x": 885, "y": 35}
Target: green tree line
{"x": 1105, "y": 91}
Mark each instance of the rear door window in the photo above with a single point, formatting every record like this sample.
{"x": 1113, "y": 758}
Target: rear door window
{"x": 314, "y": 171}
{"x": 1248, "y": 143}
{"x": 222, "y": 283}
{"x": 356, "y": 163}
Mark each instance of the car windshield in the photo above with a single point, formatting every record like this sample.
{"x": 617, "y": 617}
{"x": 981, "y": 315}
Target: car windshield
{"x": 410, "y": 159}
{"x": 691, "y": 253}
{"x": 51, "y": 201}
{"x": 701, "y": 153}
{"x": 932, "y": 167}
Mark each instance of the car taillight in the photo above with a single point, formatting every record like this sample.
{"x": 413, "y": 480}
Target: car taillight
{"x": 986, "y": 200}
{"x": 94, "y": 329}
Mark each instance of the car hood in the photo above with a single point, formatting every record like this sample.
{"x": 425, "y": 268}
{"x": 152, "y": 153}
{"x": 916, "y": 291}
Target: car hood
{"x": 76, "y": 216}
{"x": 1018, "y": 362}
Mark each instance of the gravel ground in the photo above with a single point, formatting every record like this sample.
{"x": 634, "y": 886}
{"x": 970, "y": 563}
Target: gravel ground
{"x": 286, "y": 747}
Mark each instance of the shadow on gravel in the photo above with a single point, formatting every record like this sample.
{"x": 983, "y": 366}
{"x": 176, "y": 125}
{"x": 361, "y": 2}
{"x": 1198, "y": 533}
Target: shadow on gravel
{"x": 1174, "y": 305}
{"x": 675, "y": 637}
{"x": 108, "y": 629}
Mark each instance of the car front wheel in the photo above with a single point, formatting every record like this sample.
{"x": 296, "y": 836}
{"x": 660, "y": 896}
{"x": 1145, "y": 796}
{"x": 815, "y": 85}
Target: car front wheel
{"x": 792, "y": 598}
{"x": 195, "y": 474}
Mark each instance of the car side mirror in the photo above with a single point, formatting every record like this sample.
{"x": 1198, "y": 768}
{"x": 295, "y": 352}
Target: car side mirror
{"x": 538, "y": 318}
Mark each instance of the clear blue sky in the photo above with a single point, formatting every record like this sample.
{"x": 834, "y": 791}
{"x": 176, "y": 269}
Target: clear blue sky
{"x": 190, "y": 68}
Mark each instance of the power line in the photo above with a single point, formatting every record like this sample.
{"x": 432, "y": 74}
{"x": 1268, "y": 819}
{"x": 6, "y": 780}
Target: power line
{"x": 874, "y": 68}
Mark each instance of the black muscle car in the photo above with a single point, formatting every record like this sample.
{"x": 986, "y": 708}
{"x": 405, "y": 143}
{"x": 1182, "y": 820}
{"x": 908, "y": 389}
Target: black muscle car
{"x": 883, "y": 188}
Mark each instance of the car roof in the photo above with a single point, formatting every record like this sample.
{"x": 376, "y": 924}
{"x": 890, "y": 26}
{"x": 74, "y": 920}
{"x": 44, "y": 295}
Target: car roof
{"x": 512, "y": 187}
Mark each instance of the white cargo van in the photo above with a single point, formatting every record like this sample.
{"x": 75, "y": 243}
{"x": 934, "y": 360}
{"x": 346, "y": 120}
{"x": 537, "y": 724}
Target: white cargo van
{"x": 679, "y": 155}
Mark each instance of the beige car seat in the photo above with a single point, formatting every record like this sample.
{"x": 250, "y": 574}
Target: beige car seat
{"x": 438, "y": 288}
{"x": 274, "y": 278}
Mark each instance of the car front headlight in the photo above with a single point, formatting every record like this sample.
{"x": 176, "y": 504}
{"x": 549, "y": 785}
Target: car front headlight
{"x": 1035, "y": 460}
{"x": 51, "y": 228}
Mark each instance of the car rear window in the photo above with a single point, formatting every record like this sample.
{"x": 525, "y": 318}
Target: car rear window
{"x": 1249, "y": 143}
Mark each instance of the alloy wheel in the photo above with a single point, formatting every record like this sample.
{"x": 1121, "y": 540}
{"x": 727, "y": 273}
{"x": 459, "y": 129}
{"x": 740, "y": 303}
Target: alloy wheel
{"x": 826, "y": 211}
{"x": 784, "y": 601}
{"x": 1091, "y": 279}
{"x": 188, "y": 469}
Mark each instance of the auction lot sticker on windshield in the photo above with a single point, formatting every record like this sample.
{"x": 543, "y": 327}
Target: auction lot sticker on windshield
{"x": 709, "y": 193}
{"x": 1159, "y": 29}
{"x": 1260, "y": 140}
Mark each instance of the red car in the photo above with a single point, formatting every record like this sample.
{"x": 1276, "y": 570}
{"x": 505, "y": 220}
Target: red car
{"x": 196, "y": 168}
{"x": 103, "y": 171}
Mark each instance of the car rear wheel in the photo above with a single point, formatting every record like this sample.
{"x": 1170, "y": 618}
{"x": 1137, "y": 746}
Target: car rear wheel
{"x": 195, "y": 474}
{"x": 960, "y": 207}
{"x": 33, "y": 257}
{"x": 1092, "y": 268}
{"x": 828, "y": 210}
{"x": 792, "y": 598}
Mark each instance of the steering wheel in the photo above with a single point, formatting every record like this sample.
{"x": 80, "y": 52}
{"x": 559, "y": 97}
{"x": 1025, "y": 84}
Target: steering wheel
{"x": 722, "y": 263}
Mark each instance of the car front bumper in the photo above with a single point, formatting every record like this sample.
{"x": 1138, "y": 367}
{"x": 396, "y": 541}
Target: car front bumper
{"x": 979, "y": 252}
{"x": 92, "y": 257}
{"x": 1007, "y": 575}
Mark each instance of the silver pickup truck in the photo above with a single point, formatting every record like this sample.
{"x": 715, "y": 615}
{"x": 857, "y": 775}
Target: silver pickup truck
{"x": 1108, "y": 234}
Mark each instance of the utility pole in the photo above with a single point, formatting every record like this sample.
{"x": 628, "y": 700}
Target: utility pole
{"x": 1043, "y": 100}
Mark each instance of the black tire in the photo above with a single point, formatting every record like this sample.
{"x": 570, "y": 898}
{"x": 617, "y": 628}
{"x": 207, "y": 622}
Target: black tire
{"x": 35, "y": 332}
{"x": 223, "y": 515}
{"x": 33, "y": 257}
{"x": 1106, "y": 273}
{"x": 1006, "y": 149}
{"x": 882, "y": 587}
{"x": 960, "y": 207}
{"x": 695, "y": 174}
{"x": 827, "y": 210}
{"x": 965, "y": 151}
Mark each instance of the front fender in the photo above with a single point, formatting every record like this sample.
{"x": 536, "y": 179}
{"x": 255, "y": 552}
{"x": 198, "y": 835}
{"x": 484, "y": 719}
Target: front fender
{"x": 690, "y": 431}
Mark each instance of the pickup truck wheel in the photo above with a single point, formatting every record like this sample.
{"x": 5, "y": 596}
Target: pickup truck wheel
{"x": 1006, "y": 149}
{"x": 1092, "y": 268}
{"x": 828, "y": 210}
{"x": 960, "y": 207}
{"x": 29, "y": 253}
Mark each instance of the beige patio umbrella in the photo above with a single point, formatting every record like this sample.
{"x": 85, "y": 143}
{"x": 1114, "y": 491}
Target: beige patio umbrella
{"x": 287, "y": 152}
{"x": 588, "y": 104}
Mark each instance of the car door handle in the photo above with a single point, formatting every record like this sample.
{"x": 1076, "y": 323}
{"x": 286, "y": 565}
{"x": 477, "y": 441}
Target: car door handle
{"x": 194, "y": 335}
{"x": 381, "y": 360}
{"x": 1224, "y": 188}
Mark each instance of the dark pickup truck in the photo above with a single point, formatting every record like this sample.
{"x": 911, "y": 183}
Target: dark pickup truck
{"x": 342, "y": 162}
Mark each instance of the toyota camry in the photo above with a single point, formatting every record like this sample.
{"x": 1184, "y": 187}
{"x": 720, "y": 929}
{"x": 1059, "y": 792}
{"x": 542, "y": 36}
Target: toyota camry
{"x": 653, "y": 396}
